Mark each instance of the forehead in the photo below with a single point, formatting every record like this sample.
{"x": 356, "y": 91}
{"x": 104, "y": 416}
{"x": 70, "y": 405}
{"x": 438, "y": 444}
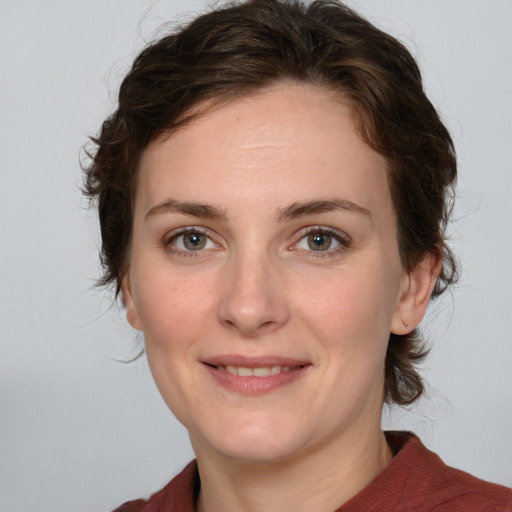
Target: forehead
{"x": 287, "y": 142}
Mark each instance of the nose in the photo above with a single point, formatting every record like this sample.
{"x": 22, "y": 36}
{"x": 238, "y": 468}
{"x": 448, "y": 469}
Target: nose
{"x": 254, "y": 297}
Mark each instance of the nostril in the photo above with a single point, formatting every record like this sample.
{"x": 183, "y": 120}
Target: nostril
{"x": 251, "y": 302}
{"x": 250, "y": 328}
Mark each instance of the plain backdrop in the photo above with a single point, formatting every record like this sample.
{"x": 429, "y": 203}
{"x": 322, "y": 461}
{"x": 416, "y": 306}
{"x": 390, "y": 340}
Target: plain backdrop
{"x": 81, "y": 432}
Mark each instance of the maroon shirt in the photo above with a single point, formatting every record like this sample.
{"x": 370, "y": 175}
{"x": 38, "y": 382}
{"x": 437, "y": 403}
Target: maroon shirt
{"x": 415, "y": 480}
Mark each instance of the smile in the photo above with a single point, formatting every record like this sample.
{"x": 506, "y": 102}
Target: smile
{"x": 263, "y": 371}
{"x": 255, "y": 375}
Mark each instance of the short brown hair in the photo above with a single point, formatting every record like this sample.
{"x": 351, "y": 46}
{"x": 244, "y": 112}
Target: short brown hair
{"x": 244, "y": 47}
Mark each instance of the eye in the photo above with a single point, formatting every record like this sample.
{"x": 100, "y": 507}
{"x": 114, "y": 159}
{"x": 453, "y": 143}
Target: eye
{"x": 190, "y": 240}
{"x": 322, "y": 240}
{"x": 319, "y": 241}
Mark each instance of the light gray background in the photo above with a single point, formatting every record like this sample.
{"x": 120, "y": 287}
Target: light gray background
{"x": 81, "y": 432}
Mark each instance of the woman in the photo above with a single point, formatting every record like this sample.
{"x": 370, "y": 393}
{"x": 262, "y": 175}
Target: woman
{"x": 273, "y": 191}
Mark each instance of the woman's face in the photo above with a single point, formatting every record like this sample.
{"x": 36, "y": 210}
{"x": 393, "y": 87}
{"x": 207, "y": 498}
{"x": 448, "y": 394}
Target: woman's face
{"x": 265, "y": 275}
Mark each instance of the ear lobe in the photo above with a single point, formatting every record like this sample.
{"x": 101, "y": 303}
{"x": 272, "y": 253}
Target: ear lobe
{"x": 132, "y": 314}
{"x": 415, "y": 295}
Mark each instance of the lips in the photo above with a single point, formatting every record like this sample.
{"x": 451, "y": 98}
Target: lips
{"x": 253, "y": 361}
{"x": 255, "y": 375}
{"x": 259, "y": 371}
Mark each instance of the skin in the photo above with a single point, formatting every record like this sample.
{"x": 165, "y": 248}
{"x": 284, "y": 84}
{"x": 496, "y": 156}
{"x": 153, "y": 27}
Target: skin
{"x": 259, "y": 287}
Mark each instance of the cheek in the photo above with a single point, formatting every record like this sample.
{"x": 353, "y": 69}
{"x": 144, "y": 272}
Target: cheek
{"x": 351, "y": 317}
{"x": 355, "y": 302}
{"x": 175, "y": 315}
{"x": 173, "y": 311}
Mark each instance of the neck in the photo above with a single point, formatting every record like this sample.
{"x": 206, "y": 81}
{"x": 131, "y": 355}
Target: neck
{"x": 321, "y": 479}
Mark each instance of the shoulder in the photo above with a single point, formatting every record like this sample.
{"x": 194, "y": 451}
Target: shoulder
{"x": 177, "y": 496}
{"x": 418, "y": 480}
{"x": 433, "y": 485}
{"x": 458, "y": 490}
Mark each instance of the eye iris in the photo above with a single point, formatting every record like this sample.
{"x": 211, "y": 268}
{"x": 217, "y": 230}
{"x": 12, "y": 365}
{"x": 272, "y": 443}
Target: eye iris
{"x": 194, "y": 241}
{"x": 319, "y": 241}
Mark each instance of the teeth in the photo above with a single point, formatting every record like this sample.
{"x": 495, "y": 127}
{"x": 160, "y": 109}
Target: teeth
{"x": 264, "y": 371}
{"x": 232, "y": 369}
{"x": 261, "y": 372}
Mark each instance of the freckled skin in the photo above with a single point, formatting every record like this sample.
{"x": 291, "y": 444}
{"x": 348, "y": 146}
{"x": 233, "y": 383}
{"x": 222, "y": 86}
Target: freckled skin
{"x": 257, "y": 288}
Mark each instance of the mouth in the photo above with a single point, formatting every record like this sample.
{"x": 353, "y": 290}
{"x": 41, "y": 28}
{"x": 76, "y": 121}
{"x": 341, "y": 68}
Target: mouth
{"x": 259, "y": 371}
{"x": 255, "y": 375}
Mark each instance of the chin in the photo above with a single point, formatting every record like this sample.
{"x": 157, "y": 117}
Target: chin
{"x": 255, "y": 441}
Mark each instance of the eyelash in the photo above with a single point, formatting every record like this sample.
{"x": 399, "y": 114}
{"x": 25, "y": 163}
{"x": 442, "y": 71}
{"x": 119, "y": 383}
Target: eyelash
{"x": 168, "y": 243}
{"x": 344, "y": 242}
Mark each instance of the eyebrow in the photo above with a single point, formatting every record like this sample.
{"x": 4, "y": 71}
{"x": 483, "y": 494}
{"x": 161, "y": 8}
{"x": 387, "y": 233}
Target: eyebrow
{"x": 293, "y": 211}
{"x": 191, "y": 208}
{"x": 297, "y": 210}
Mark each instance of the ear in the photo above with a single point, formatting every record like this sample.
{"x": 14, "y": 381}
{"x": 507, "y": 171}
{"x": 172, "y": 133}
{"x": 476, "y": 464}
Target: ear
{"x": 416, "y": 289}
{"x": 132, "y": 314}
